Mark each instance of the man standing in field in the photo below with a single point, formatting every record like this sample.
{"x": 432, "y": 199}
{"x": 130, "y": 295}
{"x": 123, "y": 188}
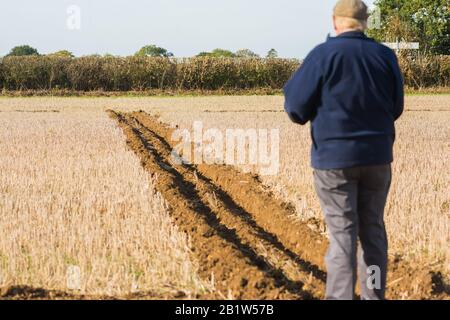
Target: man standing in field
{"x": 351, "y": 89}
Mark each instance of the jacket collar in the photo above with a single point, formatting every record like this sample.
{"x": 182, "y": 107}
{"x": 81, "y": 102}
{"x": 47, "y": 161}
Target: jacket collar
{"x": 349, "y": 34}
{"x": 352, "y": 34}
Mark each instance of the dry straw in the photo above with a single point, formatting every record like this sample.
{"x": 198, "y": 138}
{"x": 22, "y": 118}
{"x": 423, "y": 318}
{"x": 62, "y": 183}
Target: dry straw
{"x": 79, "y": 214}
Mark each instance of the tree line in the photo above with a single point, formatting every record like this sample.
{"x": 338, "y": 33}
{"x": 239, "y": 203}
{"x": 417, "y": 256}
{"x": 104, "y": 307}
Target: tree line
{"x": 147, "y": 51}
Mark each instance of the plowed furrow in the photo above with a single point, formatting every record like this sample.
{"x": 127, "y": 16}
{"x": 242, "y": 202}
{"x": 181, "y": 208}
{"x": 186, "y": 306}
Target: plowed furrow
{"x": 247, "y": 261}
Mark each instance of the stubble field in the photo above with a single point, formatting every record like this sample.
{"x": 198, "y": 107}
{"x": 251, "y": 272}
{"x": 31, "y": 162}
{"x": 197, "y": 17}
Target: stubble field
{"x": 73, "y": 194}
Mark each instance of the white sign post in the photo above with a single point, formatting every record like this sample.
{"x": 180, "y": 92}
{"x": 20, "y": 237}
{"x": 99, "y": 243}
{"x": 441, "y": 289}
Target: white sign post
{"x": 397, "y": 46}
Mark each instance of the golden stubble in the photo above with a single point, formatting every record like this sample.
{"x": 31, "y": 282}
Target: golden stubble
{"x": 73, "y": 197}
{"x": 418, "y": 208}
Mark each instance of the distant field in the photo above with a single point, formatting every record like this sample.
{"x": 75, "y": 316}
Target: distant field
{"x": 69, "y": 183}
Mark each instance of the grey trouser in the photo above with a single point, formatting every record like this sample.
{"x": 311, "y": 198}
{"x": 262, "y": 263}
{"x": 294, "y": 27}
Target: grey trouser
{"x": 353, "y": 202}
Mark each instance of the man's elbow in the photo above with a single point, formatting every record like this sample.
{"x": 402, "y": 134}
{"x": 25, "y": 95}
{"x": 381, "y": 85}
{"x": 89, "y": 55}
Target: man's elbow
{"x": 296, "y": 118}
{"x": 295, "y": 108}
{"x": 399, "y": 106}
{"x": 398, "y": 114}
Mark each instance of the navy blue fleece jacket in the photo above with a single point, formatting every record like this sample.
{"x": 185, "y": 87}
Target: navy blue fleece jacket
{"x": 351, "y": 89}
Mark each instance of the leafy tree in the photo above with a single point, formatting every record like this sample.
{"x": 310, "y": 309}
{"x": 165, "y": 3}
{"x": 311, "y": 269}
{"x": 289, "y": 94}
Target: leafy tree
{"x": 245, "y": 53}
{"x": 217, "y": 53}
{"x": 153, "y": 51}
{"x": 62, "y": 53}
{"x": 222, "y": 53}
{"x": 424, "y": 21}
{"x": 272, "y": 54}
{"x": 24, "y": 50}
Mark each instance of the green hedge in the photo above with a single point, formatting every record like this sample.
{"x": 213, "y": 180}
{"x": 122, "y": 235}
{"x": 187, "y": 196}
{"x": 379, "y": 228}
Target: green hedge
{"x": 95, "y": 73}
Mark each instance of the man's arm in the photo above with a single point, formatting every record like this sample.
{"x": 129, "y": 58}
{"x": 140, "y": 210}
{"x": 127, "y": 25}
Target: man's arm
{"x": 302, "y": 92}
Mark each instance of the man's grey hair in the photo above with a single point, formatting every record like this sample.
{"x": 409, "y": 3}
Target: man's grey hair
{"x": 351, "y": 23}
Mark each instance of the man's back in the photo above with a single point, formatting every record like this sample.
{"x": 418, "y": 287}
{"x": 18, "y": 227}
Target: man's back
{"x": 351, "y": 89}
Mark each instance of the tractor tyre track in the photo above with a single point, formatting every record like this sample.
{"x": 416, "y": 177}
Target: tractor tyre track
{"x": 246, "y": 261}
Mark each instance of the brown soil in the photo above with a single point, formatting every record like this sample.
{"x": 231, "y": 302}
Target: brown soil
{"x": 241, "y": 235}
{"x": 30, "y": 293}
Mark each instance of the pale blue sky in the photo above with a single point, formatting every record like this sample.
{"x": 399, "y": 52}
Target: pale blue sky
{"x": 184, "y": 27}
